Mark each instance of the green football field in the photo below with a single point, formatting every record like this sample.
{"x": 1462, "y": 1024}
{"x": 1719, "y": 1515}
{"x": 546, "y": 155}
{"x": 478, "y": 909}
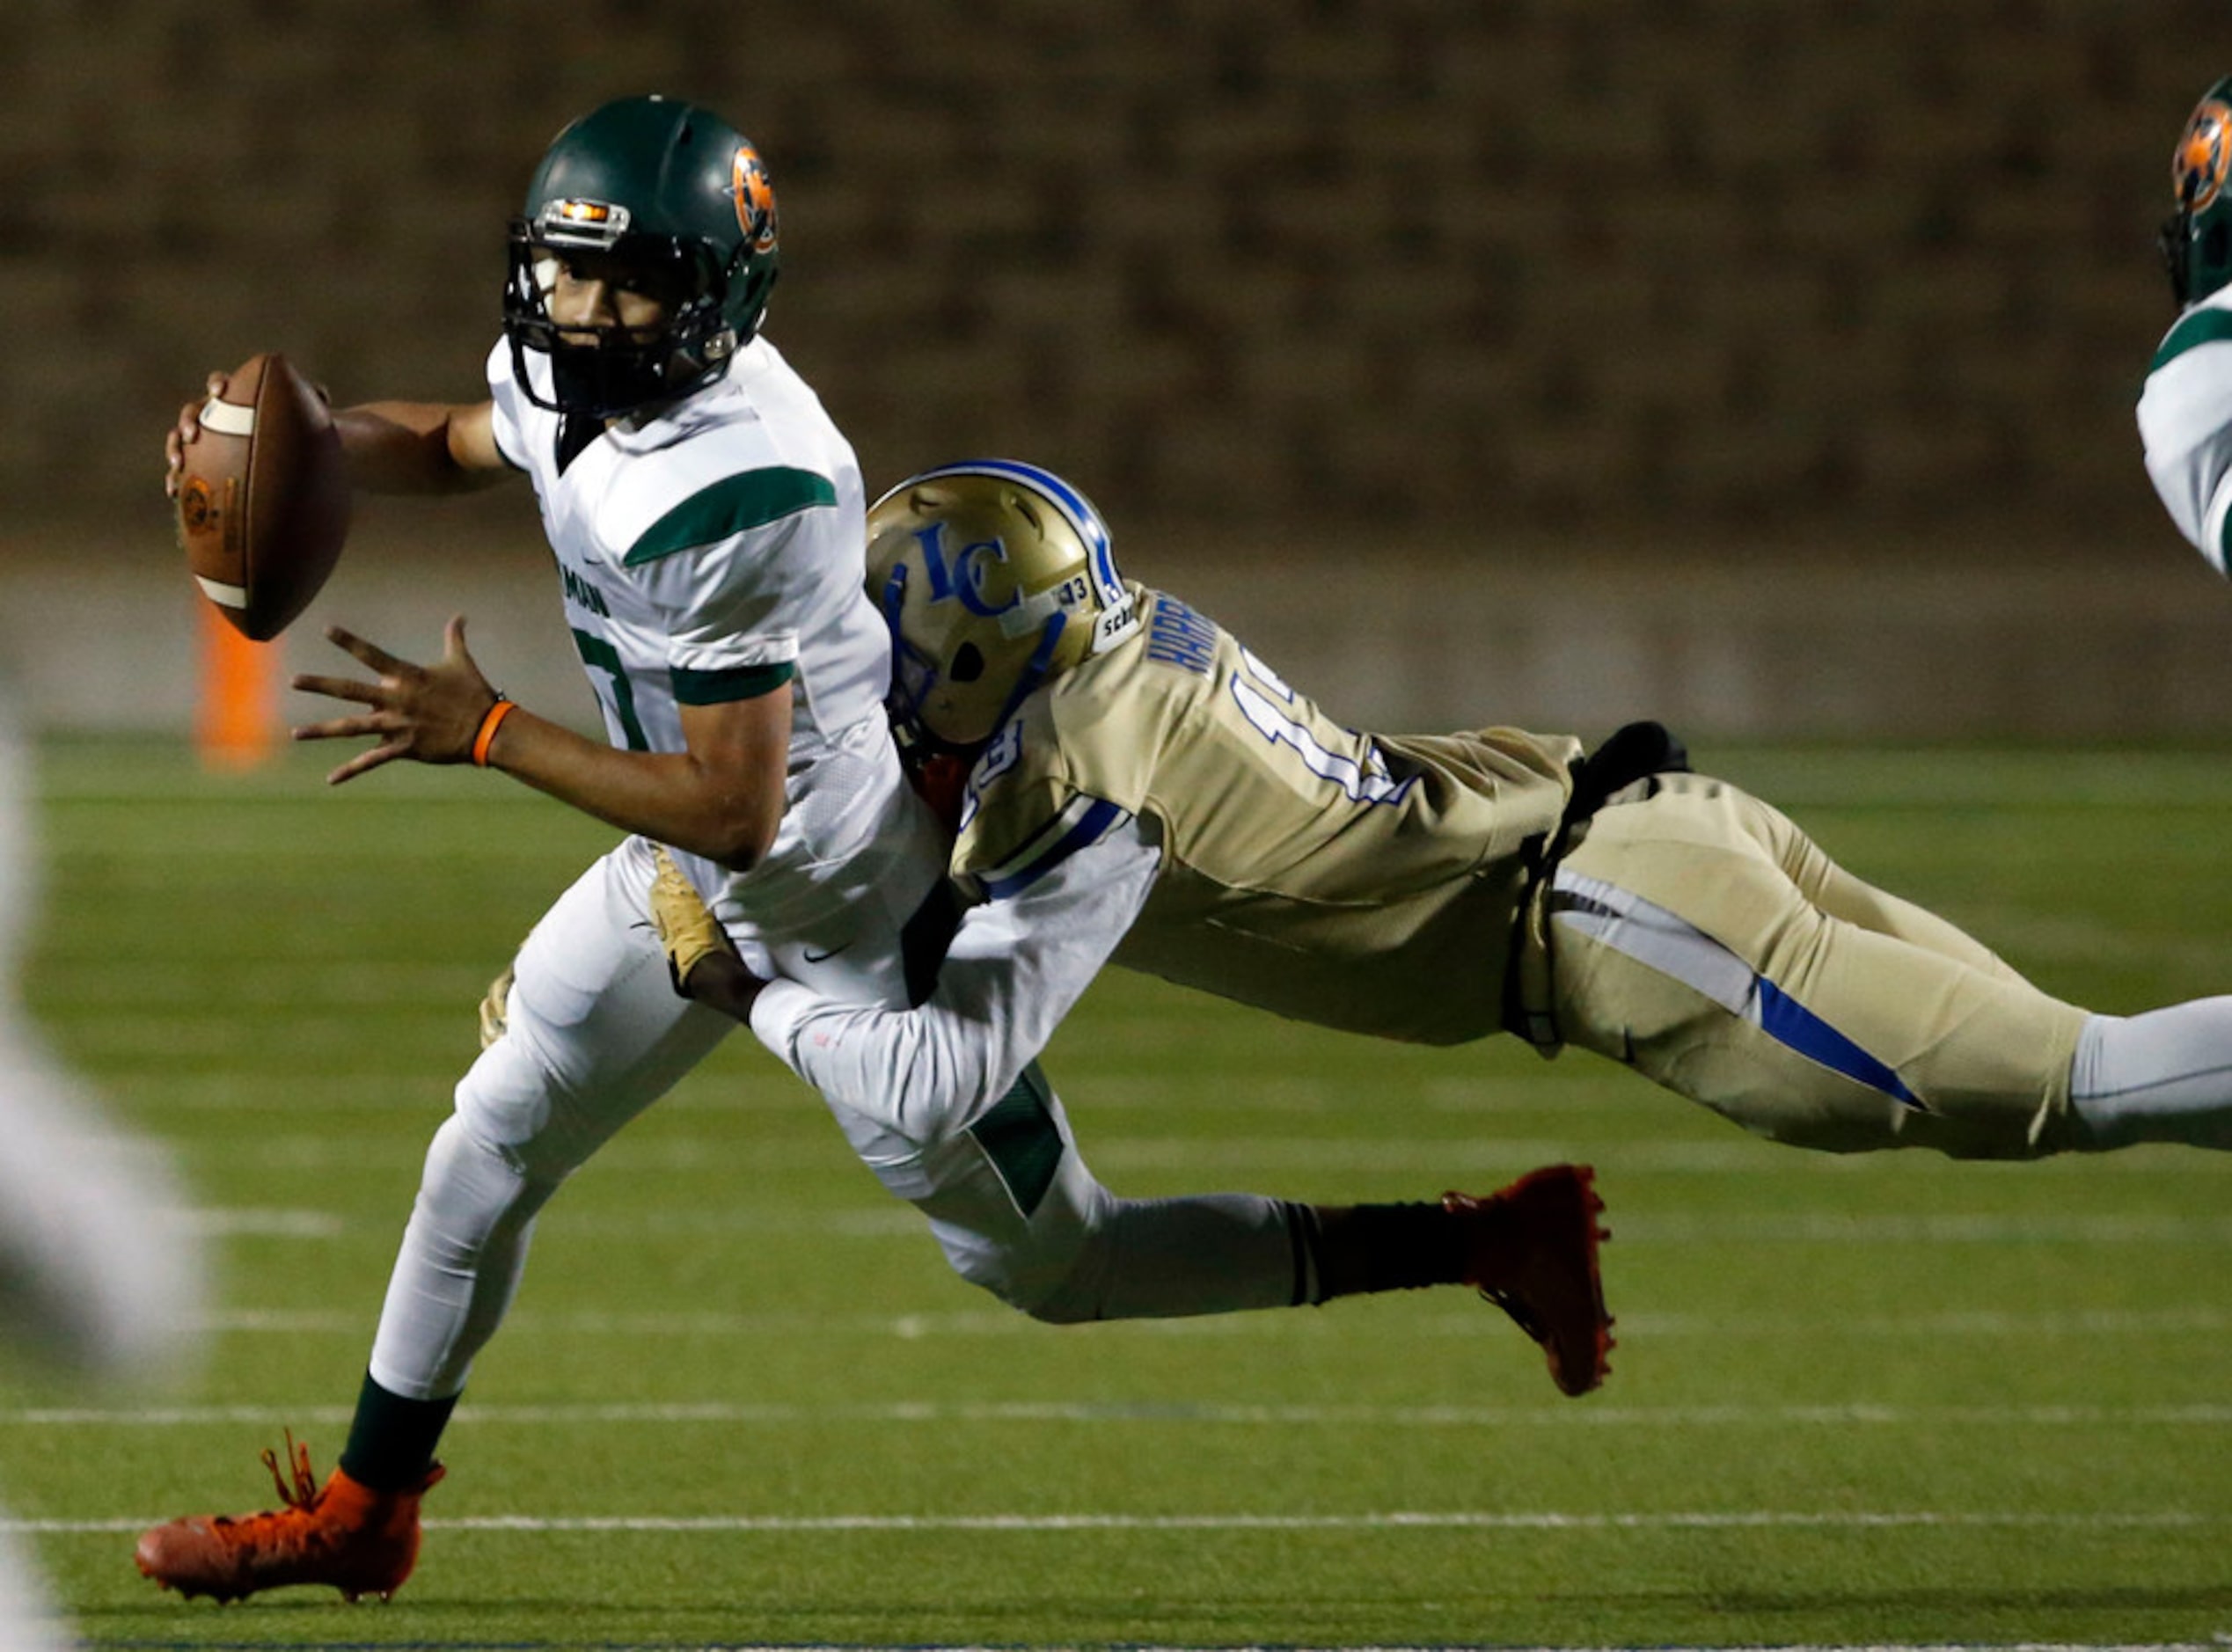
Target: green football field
{"x": 1891, "y": 1400}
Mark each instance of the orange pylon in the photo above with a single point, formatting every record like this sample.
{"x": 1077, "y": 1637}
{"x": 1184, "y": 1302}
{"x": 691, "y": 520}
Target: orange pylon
{"x": 236, "y": 720}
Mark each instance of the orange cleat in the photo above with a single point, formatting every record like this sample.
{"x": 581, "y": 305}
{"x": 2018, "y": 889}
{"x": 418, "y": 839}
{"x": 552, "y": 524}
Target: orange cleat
{"x": 361, "y": 1541}
{"x": 1532, "y": 1250}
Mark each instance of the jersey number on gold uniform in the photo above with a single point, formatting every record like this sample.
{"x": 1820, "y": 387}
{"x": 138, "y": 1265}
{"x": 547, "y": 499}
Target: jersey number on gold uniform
{"x": 1263, "y": 699}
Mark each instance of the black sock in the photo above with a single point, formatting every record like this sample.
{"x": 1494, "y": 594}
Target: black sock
{"x": 391, "y": 1443}
{"x": 1407, "y": 1246}
{"x": 1307, "y": 1236}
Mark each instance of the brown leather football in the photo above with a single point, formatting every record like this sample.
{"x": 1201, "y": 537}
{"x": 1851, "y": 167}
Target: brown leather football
{"x": 263, "y": 498}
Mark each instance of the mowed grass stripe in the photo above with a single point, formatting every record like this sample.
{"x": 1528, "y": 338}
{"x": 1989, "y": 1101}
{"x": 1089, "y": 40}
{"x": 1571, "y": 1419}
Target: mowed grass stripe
{"x": 142, "y": 1645}
{"x": 2134, "y": 1228}
{"x": 1162, "y": 1413}
{"x": 1801, "y": 1336}
{"x": 1469, "y": 1322}
{"x": 1149, "y": 1646}
{"x": 673, "y": 1153}
{"x": 1396, "y": 1520}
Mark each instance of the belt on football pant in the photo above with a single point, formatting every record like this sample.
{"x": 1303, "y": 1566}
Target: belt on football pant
{"x": 1629, "y": 757}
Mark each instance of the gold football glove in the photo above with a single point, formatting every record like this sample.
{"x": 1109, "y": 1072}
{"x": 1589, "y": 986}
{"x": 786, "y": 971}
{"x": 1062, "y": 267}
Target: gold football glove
{"x": 495, "y": 1005}
{"x": 687, "y": 930}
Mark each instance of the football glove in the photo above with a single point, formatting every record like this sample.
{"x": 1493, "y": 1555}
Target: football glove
{"x": 687, "y": 930}
{"x": 495, "y": 1004}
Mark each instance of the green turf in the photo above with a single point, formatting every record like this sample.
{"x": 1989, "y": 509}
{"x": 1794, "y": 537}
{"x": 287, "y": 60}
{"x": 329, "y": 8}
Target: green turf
{"x": 1893, "y": 1399}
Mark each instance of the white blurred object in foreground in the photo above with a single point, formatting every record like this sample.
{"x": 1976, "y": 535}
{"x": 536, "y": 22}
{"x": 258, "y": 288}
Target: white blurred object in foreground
{"x": 99, "y": 1272}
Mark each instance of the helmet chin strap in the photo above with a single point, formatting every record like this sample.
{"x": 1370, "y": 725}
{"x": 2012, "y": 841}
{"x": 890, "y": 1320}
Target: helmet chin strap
{"x": 894, "y": 598}
{"x": 1035, "y": 673}
{"x": 902, "y": 705}
{"x": 2174, "y": 243}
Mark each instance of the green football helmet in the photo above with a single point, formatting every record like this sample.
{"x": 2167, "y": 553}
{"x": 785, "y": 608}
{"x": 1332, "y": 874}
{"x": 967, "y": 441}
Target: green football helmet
{"x": 2197, "y": 241}
{"x": 994, "y": 577}
{"x": 672, "y": 190}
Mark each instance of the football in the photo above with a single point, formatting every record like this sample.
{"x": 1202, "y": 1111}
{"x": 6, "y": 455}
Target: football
{"x": 263, "y": 497}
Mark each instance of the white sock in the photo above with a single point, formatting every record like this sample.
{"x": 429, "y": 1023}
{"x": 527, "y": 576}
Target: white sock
{"x": 2165, "y": 1076}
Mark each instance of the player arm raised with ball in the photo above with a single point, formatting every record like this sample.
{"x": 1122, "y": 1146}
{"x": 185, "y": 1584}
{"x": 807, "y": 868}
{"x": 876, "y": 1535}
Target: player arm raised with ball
{"x": 721, "y": 796}
{"x": 393, "y": 447}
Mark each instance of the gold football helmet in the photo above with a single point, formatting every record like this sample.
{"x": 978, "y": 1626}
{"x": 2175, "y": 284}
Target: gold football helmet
{"x": 994, "y": 576}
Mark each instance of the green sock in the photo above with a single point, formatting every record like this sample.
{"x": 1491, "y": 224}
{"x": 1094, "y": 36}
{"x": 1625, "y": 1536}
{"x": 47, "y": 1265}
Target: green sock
{"x": 391, "y": 1441}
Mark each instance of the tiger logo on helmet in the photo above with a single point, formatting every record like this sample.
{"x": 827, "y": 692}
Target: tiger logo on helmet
{"x": 994, "y": 577}
{"x": 2196, "y": 243}
{"x": 2198, "y": 170}
{"x": 755, "y": 194}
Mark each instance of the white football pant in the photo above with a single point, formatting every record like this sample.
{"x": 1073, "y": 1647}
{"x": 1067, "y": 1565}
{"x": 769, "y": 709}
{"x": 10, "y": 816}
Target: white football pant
{"x": 594, "y": 1033}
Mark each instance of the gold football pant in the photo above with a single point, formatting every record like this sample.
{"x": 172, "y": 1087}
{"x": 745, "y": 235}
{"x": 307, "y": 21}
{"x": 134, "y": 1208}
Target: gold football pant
{"x": 1697, "y": 935}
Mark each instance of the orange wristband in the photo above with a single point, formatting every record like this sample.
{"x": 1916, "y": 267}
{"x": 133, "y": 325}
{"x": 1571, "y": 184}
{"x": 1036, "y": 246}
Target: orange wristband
{"x": 489, "y": 724}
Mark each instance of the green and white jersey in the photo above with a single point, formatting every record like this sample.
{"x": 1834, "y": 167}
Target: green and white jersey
{"x": 2185, "y": 425}
{"x": 712, "y": 553}
{"x": 1357, "y": 881}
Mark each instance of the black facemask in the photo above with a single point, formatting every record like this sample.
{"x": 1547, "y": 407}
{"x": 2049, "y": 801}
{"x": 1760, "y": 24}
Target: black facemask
{"x": 623, "y": 369}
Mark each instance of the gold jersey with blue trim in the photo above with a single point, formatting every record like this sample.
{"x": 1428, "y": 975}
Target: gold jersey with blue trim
{"x": 1358, "y": 880}
{"x": 712, "y": 552}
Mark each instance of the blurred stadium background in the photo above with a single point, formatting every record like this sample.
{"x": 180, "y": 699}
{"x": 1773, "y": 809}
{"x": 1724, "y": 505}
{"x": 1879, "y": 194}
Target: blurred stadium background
{"x": 1765, "y": 367}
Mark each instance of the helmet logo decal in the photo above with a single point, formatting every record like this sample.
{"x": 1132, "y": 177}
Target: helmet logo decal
{"x": 2204, "y": 156}
{"x": 963, "y": 576}
{"x": 1074, "y": 506}
{"x": 754, "y": 194}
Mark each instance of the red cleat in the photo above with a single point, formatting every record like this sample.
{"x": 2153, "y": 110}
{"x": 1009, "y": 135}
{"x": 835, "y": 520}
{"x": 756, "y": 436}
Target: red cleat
{"x": 1532, "y": 1250}
{"x": 361, "y": 1541}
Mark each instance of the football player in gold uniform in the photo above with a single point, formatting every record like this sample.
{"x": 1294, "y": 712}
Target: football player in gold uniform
{"x": 1141, "y": 787}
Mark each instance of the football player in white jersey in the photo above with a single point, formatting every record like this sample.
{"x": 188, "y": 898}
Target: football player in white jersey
{"x": 2185, "y": 410}
{"x": 705, "y": 518}
{"x": 1142, "y": 788}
